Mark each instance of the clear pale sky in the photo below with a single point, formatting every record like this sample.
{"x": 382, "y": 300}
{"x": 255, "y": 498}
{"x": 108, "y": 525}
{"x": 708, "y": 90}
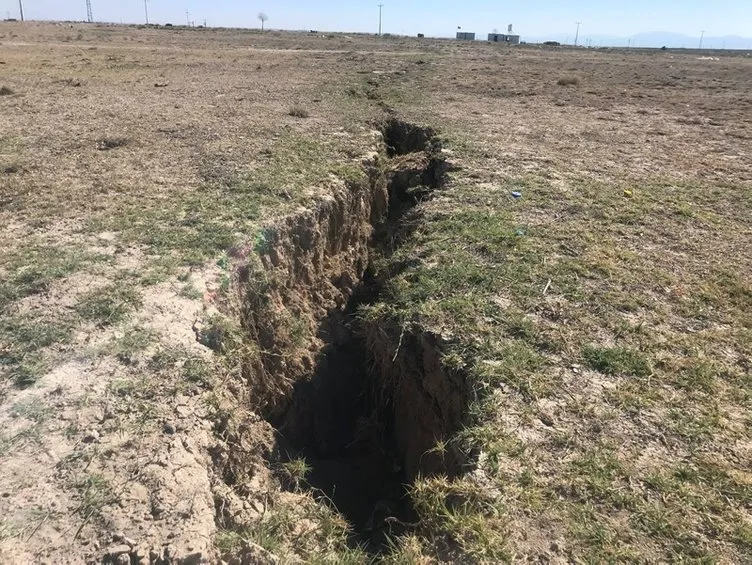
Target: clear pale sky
{"x": 433, "y": 17}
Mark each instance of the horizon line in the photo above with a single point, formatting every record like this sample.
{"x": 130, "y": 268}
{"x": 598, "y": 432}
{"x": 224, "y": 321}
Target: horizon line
{"x": 538, "y": 39}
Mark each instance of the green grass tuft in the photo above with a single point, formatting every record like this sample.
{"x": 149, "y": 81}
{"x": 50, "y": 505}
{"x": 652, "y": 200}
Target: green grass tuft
{"x": 109, "y": 305}
{"x": 617, "y": 361}
{"x": 33, "y": 269}
{"x": 23, "y": 337}
{"x": 295, "y": 472}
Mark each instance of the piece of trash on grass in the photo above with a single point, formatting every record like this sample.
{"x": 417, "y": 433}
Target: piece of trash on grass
{"x": 516, "y": 194}
{"x": 548, "y": 285}
{"x": 520, "y": 232}
{"x": 628, "y": 193}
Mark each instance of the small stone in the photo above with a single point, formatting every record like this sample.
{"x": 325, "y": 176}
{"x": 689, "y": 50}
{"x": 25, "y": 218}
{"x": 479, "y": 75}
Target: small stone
{"x": 123, "y": 559}
{"x": 168, "y": 428}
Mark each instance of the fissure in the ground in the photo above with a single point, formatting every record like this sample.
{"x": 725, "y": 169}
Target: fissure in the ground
{"x": 351, "y": 417}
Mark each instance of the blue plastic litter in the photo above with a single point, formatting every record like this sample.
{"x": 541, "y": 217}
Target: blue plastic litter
{"x": 517, "y": 194}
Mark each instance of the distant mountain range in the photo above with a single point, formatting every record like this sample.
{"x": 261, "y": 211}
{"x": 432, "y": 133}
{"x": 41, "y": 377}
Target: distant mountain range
{"x": 652, "y": 39}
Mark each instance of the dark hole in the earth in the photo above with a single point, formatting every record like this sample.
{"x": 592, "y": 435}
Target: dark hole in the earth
{"x": 416, "y": 170}
{"x": 340, "y": 422}
{"x": 343, "y": 420}
{"x": 402, "y": 138}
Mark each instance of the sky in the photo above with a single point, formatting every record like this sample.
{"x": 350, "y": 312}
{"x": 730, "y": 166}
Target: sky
{"x": 532, "y": 18}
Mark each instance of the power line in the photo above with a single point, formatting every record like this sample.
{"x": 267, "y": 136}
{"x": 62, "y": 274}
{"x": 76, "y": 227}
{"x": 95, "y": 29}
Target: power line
{"x": 89, "y": 16}
{"x": 380, "y": 7}
{"x": 702, "y": 36}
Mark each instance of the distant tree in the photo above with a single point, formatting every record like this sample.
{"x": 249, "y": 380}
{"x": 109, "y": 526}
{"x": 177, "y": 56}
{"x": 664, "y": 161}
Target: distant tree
{"x": 263, "y": 17}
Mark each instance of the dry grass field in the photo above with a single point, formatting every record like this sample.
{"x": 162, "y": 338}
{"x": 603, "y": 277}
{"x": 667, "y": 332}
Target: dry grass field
{"x": 292, "y": 297}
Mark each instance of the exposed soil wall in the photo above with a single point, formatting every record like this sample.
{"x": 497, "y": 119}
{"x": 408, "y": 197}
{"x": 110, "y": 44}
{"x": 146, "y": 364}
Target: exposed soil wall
{"x": 310, "y": 265}
{"x": 428, "y": 400}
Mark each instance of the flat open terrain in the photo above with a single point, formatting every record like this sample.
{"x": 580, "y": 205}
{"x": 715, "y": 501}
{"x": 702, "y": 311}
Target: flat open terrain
{"x": 554, "y": 302}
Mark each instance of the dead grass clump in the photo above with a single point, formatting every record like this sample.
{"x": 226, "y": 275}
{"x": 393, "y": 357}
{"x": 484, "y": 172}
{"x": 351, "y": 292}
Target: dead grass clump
{"x": 568, "y": 81}
{"x": 298, "y": 112}
{"x": 5, "y": 91}
{"x": 107, "y": 143}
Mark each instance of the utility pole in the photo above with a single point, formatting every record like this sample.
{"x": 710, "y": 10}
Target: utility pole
{"x": 20, "y": 8}
{"x": 702, "y": 36}
{"x": 146, "y": 11}
{"x": 577, "y": 35}
{"x": 89, "y": 16}
{"x": 188, "y": 18}
{"x": 380, "y": 7}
